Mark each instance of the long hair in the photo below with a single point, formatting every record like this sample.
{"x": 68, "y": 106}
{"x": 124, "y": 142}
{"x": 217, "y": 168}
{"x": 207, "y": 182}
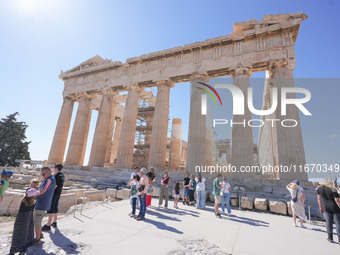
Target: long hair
{"x": 28, "y": 201}
{"x": 199, "y": 176}
{"x": 177, "y": 187}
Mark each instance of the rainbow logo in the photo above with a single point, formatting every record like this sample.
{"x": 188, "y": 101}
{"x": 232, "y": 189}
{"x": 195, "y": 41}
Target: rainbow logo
{"x": 209, "y": 93}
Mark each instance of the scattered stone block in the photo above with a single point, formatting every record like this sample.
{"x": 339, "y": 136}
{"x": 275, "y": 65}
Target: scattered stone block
{"x": 11, "y": 203}
{"x": 66, "y": 201}
{"x": 123, "y": 193}
{"x": 81, "y": 200}
{"x": 261, "y": 204}
{"x": 234, "y": 200}
{"x": 95, "y": 195}
{"x": 289, "y": 207}
{"x": 247, "y": 203}
{"x": 111, "y": 193}
{"x": 278, "y": 207}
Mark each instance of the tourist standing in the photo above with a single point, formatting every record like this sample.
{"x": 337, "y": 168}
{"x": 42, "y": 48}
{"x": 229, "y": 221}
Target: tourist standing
{"x": 151, "y": 176}
{"x": 329, "y": 204}
{"x": 200, "y": 190}
{"x": 135, "y": 171}
{"x": 44, "y": 200}
{"x": 225, "y": 195}
{"x": 217, "y": 185}
{"x": 186, "y": 181}
{"x": 23, "y": 231}
{"x": 5, "y": 176}
{"x": 142, "y": 189}
{"x": 34, "y": 183}
{"x": 53, "y": 212}
{"x": 192, "y": 188}
{"x": 134, "y": 194}
{"x": 165, "y": 184}
{"x": 177, "y": 193}
{"x": 297, "y": 203}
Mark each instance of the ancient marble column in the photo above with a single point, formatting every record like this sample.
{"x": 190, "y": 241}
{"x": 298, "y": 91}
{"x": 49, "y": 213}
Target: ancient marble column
{"x": 110, "y": 133}
{"x": 241, "y": 133}
{"x": 287, "y": 141}
{"x": 197, "y": 125}
{"x": 175, "y": 144}
{"x": 101, "y": 134}
{"x": 158, "y": 147}
{"x": 77, "y": 146}
{"x": 58, "y": 146}
{"x": 127, "y": 137}
{"x": 115, "y": 142}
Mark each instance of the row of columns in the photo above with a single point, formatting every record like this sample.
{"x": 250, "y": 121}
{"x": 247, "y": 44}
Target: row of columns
{"x": 288, "y": 148}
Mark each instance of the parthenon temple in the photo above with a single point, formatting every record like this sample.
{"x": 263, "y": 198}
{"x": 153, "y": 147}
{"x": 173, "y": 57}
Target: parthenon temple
{"x": 132, "y": 128}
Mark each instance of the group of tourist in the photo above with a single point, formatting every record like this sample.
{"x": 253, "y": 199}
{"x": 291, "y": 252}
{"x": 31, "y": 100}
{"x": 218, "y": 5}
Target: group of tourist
{"x": 328, "y": 197}
{"x": 45, "y": 196}
{"x": 37, "y": 199}
{"x": 141, "y": 185}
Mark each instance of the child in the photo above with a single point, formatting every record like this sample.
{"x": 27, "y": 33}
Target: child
{"x": 23, "y": 233}
{"x": 5, "y": 175}
{"x": 34, "y": 183}
{"x": 134, "y": 183}
{"x": 177, "y": 192}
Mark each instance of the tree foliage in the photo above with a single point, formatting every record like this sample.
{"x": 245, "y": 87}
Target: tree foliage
{"x": 13, "y": 144}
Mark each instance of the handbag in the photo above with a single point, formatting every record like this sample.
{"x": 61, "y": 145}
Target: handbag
{"x": 141, "y": 188}
{"x": 295, "y": 199}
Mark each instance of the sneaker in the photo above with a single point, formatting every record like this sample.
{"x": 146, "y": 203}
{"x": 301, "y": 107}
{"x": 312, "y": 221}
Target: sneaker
{"x": 131, "y": 215}
{"x": 218, "y": 215}
{"x": 140, "y": 218}
{"x": 330, "y": 240}
{"x": 302, "y": 226}
{"x": 294, "y": 225}
{"x": 54, "y": 224}
{"x": 46, "y": 228}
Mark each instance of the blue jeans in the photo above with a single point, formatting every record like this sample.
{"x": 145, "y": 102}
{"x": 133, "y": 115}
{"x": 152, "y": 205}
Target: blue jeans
{"x": 200, "y": 203}
{"x": 142, "y": 207}
{"x": 225, "y": 200}
{"x": 329, "y": 224}
{"x": 134, "y": 204}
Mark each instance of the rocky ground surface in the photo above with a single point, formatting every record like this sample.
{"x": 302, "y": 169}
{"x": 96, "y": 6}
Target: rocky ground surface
{"x": 107, "y": 229}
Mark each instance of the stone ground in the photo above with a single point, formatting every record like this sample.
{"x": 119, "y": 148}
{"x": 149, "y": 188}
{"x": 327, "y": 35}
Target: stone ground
{"x": 107, "y": 229}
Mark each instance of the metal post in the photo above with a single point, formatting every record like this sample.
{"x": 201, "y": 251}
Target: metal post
{"x": 309, "y": 215}
{"x": 239, "y": 202}
{"x": 82, "y": 204}
{"x": 75, "y": 207}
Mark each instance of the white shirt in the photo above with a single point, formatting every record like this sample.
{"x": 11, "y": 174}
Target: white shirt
{"x": 133, "y": 175}
{"x": 200, "y": 185}
{"x": 225, "y": 187}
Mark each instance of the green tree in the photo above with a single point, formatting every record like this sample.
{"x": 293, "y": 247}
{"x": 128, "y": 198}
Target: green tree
{"x": 12, "y": 141}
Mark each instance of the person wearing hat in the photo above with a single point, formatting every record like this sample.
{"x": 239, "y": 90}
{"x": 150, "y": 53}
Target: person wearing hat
{"x": 5, "y": 176}
{"x": 23, "y": 231}
{"x": 329, "y": 204}
{"x": 297, "y": 203}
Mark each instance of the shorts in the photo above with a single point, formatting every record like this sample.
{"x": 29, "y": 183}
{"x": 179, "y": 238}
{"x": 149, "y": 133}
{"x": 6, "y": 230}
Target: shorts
{"x": 54, "y": 204}
{"x": 38, "y": 216}
{"x": 176, "y": 196}
{"x": 186, "y": 191}
{"x": 217, "y": 199}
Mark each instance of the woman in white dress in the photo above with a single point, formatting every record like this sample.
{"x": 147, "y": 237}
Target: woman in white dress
{"x": 297, "y": 203}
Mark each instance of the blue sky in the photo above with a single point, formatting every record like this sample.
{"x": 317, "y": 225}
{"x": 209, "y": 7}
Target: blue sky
{"x": 39, "y": 38}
